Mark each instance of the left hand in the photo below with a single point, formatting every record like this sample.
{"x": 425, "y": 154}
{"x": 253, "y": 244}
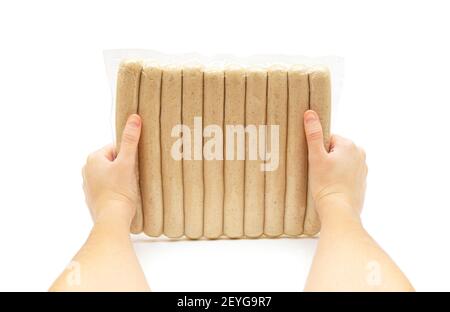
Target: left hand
{"x": 110, "y": 182}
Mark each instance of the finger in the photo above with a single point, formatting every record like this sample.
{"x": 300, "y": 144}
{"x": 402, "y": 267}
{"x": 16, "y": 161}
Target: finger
{"x": 314, "y": 134}
{"x": 108, "y": 151}
{"x": 363, "y": 153}
{"x": 332, "y": 143}
{"x": 336, "y": 142}
{"x": 130, "y": 138}
{"x": 83, "y": 177}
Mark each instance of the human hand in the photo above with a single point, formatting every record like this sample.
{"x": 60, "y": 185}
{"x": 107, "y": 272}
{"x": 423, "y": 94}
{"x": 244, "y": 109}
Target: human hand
{"x": 337, "y": 178}
{"x": 110, "y": 182}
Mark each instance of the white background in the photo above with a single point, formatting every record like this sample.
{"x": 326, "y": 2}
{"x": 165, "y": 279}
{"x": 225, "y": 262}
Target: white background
{"x": 55, "y": 106}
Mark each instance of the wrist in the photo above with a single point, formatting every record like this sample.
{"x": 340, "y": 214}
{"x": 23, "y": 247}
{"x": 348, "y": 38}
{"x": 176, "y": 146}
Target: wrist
{"x": 337, "y": 211}
{"x": 113, "y": 222}
{"x": 110, "y": 231}
{"x": 114, "y": 214}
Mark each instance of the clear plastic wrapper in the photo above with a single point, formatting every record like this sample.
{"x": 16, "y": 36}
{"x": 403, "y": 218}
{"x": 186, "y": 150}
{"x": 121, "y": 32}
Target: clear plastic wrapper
{"x": 222, "y": 152}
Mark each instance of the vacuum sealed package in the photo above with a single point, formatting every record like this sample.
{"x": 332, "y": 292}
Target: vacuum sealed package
{"x": 222, "y": 152}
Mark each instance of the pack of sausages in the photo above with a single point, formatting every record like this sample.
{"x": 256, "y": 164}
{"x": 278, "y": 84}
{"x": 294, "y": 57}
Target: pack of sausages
{"x": 222, "y": 152}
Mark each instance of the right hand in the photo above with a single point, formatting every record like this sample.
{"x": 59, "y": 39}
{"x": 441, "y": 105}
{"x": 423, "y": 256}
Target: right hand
{"x": 337, "y": 178}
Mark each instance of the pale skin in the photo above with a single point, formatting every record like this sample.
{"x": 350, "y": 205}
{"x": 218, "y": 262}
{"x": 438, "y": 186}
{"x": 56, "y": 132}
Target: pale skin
{"x": 347, "y": 258}
{"x": 107, "y": 261}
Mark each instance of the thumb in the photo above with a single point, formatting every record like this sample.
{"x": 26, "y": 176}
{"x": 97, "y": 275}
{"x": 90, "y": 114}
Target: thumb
{"x": 130, "y": 137}
{"x": 314, "y": 134}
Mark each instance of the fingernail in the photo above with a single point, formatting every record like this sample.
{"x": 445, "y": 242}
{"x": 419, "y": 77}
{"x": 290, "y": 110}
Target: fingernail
{"x": 310, "y": 116}
{"x": 134, "y": 121}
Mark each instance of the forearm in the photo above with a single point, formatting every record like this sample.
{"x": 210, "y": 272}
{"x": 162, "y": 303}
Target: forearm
{"x": 348, "y": 259}
{"x": 106, "y": 262}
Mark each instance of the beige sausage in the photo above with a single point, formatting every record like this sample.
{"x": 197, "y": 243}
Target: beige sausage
{"x": 234, "y": 169}
{"x": 193, "y": 167}
{"x": 275, "y": 181}
{"x": 297, "y": 152}
{"x": 127, "y": 102}
{"x": 172, "y": 169}
{"x": 320, "y": 102}
{"x": 213, "y": 111}
{"x": 255, "y": 116}
{"x": 150, "y": 150}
